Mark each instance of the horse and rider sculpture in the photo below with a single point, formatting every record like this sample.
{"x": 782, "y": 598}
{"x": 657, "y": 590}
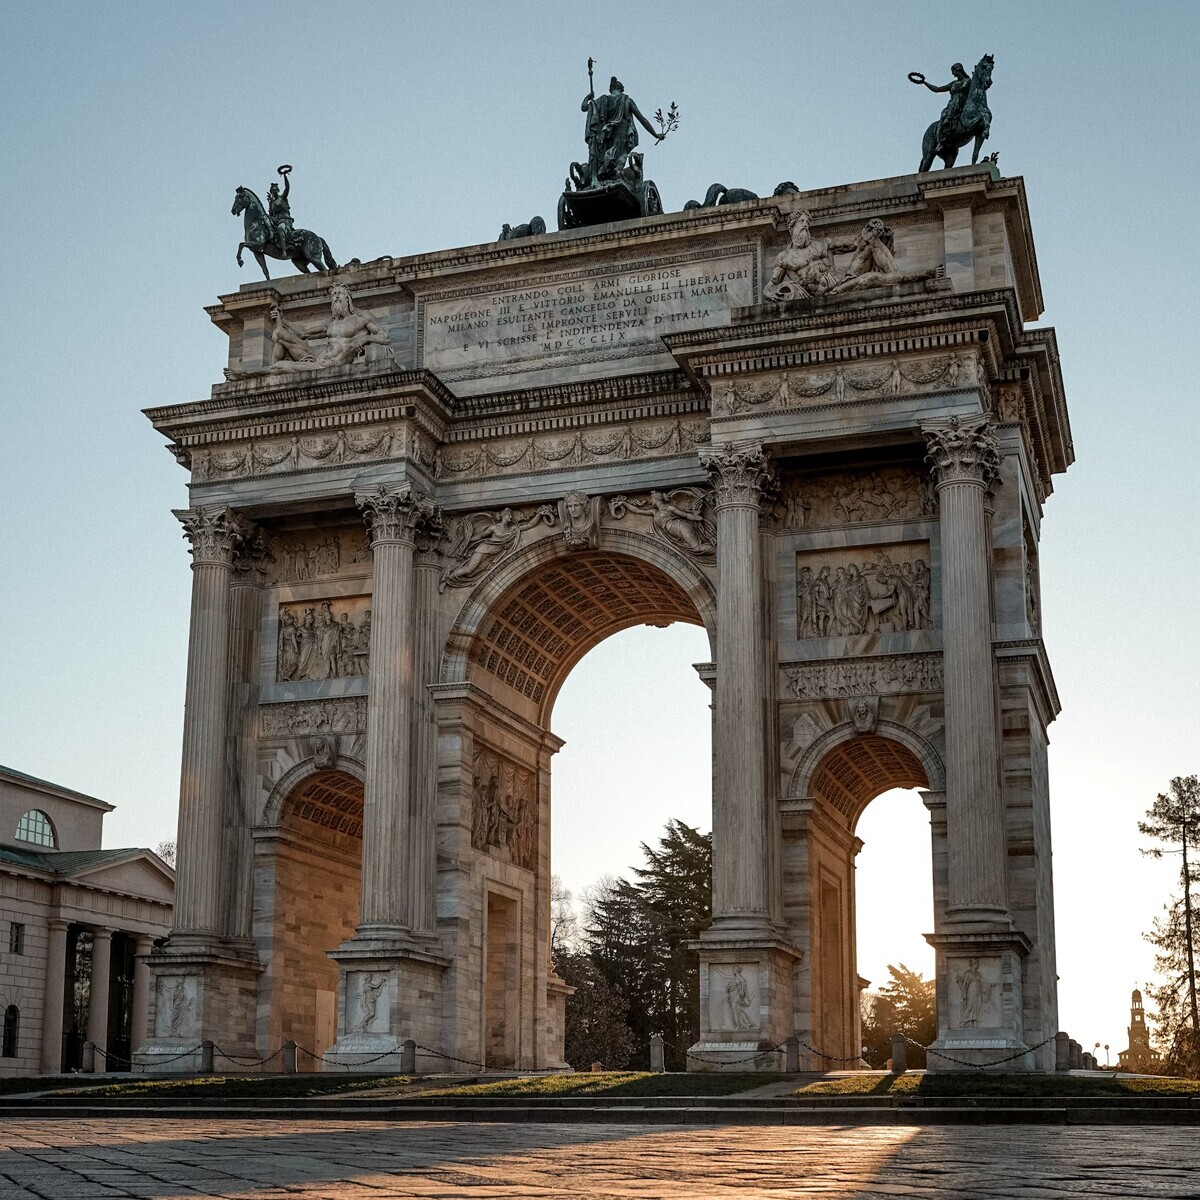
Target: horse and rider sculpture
{"x": 610, "y": 186}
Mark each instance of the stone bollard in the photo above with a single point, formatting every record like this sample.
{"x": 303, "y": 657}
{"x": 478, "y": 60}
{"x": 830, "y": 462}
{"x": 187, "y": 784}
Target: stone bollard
{"x": 597, "y": 1068}
{"x": 206, "y": 1058}
{"x": 1062, "y": 1052}
{"x": 658, "y": 1059}
{"x": 289, "y": 1057}
{"x": 1076, "y": 1055}
{"x": 89, "y": 1058}
{"x": 793, "y": 1055}
{"x": 408, "y": 1057}
{"x": 899, "y": 1054}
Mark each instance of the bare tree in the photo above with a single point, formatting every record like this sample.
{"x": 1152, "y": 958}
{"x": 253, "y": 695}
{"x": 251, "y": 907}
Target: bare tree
{"x": 166, "y": 851}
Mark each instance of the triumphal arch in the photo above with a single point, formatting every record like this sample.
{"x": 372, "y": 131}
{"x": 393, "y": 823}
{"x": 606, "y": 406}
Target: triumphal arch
{"x": 821, "y": 425}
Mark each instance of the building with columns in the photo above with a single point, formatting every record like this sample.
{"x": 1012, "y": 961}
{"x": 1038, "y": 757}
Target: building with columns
{"x": 77, "y": 927}
{"x": 823, "y": 426}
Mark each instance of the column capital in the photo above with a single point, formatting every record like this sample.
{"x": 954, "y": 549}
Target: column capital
{"x": 740, "y": 474}
{"x": 101, "y": 932}
{"x": 963, "y": 451}
{"x": 215, "y": 533}
{"x": 250, "y": 556}
{"x": 395, "y": 514}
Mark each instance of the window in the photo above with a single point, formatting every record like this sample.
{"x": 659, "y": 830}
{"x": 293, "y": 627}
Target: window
{"x": 16, "y": 938}
{"x": 12, "y": 1031}
{"x": 35, "y": 827}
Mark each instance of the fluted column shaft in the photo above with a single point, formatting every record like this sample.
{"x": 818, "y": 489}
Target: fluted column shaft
{"x": 393, "y": 518}
{"x": 97, "y": 1022}
{"x": 965, "y": 461}
{"x": 140, "y": 1015}
{"x": 740, "y": 849}
{"x": 423, "y": 858}
{"x": 52, "y": 1009}
{"x": 214, "y": 534}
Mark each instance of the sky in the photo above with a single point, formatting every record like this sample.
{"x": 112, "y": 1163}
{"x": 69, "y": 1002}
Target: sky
{"x": 420, "y": 127}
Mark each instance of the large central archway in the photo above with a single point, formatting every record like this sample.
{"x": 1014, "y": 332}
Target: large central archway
{"x": 516, "y": 641}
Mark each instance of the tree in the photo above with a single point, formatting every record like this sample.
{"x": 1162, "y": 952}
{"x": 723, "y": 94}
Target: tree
{"x": 638, "y": 937}
{"x": 166, "y": 851}
{"x": 596, "y": 1030}
{"x": 564, "y": 924}
{"x": 1174, "y": 821}
{"x": 906, "y": 1004}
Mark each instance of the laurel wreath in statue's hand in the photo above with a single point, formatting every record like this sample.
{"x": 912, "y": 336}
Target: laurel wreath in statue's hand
{"x": 915, "y": 77}
{"x": 286, "y": 169}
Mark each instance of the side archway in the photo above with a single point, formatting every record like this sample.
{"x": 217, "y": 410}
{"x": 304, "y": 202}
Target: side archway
{"x": 309, "y": 880}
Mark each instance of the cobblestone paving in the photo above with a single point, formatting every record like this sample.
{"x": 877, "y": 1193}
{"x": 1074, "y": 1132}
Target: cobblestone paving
{"x": 314, "y": 1160}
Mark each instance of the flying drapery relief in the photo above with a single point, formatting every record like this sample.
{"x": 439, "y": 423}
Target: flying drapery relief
{"x": 839, "y": 593}
{"x": 330, "y": 639}
{"x": 478, "y": 540}
{"x": 887, "y": 675}
{"x": 854, "y": 498}
{"x": 682, "y": 518}
{"x": 492, "y": 457}
{"x": 503, "y": 814}
{"x": 839, "y": 384}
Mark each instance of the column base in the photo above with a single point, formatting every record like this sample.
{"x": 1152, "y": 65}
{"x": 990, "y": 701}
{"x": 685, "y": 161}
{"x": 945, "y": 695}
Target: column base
{"x": 746, "y": 999}
{"x": 201, "y": 989}
{"x": 389, "y": 990}
{"x": 979, "y": 1000}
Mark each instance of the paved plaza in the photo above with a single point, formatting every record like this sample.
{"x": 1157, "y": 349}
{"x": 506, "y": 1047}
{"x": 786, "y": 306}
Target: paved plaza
{"x": 83, "y": 1160}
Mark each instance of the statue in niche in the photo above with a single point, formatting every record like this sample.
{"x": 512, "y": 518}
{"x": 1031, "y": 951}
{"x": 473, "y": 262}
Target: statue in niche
{"x": 804, "y": 269}
{"x": 368, "y": 1001}
{"x": 873, "y": 262}
{"x": 579, "y": 515}
{"x": 973, "y": 994}
{"x": 476, "y": 541}
{"x": 737, "y": 1000}
{"x": 678, "y": 517}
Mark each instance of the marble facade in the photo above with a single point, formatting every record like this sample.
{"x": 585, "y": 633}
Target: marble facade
{"x": 575, "y": 433}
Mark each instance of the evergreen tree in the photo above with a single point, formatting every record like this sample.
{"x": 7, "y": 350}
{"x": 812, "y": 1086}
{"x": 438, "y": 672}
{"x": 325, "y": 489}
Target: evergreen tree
{"x": 596, "y": 1030}
{"x": 906, "y": 1004}
{"x": 1174, "y": 820}
{"x": 638, "y": 935}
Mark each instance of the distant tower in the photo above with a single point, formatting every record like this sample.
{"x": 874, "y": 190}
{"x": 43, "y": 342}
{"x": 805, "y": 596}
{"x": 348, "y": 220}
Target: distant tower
{"x": 1138, "y": 1057}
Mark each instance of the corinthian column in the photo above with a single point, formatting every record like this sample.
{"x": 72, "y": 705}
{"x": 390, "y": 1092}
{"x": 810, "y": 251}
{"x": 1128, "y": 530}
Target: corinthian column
{"x": 966, "y": 462}
{"x": 215, "y": 534}
{"x": 393, "y": 517}
{"x": 740, "y": 860}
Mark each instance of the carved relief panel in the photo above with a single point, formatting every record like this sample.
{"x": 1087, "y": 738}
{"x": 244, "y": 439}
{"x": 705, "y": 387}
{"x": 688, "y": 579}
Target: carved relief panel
{"x": 324, "y": 639}
{"x": 733, "y": 999}
{"x": 974, "y": 992}
{"x": 176, "y": 1007}
{"x": 368, "y": 1001}
{"x": 504, "y": 810}
{"x": 854, "y": 498}
{"x": 317, "y": 554}
{"x": 860, "y": 590}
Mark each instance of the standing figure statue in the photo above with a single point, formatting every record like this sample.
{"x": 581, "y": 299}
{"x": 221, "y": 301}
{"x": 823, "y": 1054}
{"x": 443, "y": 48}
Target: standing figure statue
{"x": 270, "y": 231}
{"x": 965, "y": 116}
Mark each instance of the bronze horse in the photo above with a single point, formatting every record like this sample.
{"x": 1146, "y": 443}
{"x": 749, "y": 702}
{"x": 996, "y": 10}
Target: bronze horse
{"x": 975, "y": 121}
{"x": 305, "y": 250}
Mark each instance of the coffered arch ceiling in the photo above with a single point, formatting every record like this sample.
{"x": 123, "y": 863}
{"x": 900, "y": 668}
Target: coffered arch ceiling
{"x": 852, "y": 774}
{"x": 328, "y": 800}
{"x": 545, "y": 622}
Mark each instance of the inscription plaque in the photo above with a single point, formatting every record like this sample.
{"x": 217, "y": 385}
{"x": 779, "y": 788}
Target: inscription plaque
{"x": 580, "y": 316}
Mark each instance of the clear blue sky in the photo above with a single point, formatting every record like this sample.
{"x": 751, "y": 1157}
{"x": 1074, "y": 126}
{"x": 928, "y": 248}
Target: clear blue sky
{"x": 127, "y": 127}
